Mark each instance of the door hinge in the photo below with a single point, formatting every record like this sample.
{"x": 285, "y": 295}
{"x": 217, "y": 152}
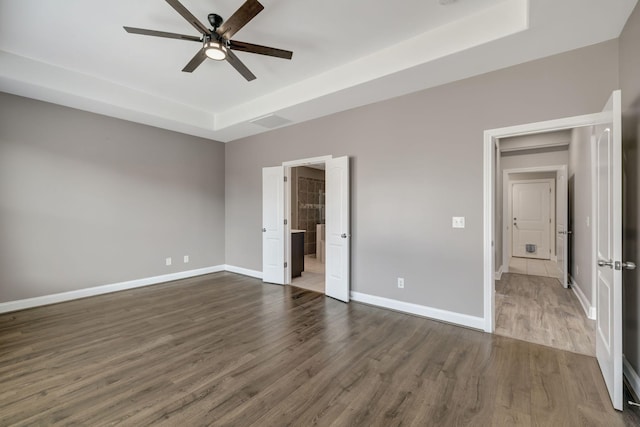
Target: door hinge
{"x": 285, "y": 179}
{"x": 549, "y": 220}
{"x": 285, "y": 265}
{"x": 285, "y": 222}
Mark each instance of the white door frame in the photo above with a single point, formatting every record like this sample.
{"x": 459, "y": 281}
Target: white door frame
{"x": 287, "y": 204}
{"x": 490, "y": 138}
{"x": 506, "y": 203}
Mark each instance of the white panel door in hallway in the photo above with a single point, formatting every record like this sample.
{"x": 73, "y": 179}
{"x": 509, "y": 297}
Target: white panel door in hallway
{"x": 531, "y": 219}
{"x": 562, "y": 227}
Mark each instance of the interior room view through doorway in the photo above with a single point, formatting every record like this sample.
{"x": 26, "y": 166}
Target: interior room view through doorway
{"x": 537, "y": 178}
{"x": 308, "y": 216}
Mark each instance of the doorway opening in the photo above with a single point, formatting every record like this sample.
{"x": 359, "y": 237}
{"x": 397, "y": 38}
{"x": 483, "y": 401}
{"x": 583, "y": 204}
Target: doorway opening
{"x": 277, "y": 245}
{"x": 534, "y": 300}
{"x": 308, "y": 226}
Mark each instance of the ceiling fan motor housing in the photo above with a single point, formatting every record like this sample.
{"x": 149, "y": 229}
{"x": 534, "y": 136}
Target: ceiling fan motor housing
{"x": 215, "y": 20}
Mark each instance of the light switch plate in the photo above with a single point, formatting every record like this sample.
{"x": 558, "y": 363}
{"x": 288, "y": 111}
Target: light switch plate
{"x": 457, "y": 222}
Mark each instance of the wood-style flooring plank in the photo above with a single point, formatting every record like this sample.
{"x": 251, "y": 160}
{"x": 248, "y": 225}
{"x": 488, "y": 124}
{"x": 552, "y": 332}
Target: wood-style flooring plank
{"x": 539, "y": 310}
{"x": 224, "y": 349}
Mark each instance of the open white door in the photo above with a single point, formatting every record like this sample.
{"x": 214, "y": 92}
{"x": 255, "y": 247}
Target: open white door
{"x": 608, "y": 172}
{"x": 563, "y": 234}
{"x": 337, "y": 232}
{"x": 273, "y": 229}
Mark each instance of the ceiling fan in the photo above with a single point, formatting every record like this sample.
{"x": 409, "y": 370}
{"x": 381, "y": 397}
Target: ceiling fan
{"x": 216, "y": 42}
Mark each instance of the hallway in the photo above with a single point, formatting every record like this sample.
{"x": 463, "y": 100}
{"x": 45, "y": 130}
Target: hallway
{"x": 539, "y": 310}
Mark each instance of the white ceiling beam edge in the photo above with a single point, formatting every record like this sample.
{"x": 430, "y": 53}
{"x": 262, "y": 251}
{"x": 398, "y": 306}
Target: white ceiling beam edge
{"x": 45, "y": 82}
{"x": 502, "y": 20}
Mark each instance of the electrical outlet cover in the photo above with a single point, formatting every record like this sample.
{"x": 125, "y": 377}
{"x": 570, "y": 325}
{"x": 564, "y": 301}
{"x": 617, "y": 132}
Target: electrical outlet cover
{"x": 457, "y": 222}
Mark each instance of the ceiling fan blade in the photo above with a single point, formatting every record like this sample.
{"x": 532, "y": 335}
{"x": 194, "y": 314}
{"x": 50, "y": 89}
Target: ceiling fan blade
{"x": 189, "y": 16}
{"x": 155, "y": 33}
{"x": 260, "y": 50}
{"x": 239, "y": 19}
{"x": 195, "y": 61}
{"x": 239, "y": 66}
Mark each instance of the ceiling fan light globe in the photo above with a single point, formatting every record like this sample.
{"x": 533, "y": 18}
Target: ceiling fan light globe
{"x": 215, "y": 51}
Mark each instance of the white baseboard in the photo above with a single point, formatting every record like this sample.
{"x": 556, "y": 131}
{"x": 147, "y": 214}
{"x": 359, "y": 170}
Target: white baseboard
{"x": 243, "y": 271}
{"x": 22, "y": 304}
{"x": 420, "y": 310}
{"x": 631, "y": 375}
{"x": 498, "y": 274}
{"x": 589, "y": 310}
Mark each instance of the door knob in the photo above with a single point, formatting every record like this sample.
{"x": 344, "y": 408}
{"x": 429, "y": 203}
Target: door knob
{"x": 343, "y": 235}
{"x": 264, "y": 230}
{"x": 603, "y": 263}
{"x": 629, "y": 265}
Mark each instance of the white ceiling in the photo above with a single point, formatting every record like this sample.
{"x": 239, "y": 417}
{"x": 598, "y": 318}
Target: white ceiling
{"x": 346, "y": 54}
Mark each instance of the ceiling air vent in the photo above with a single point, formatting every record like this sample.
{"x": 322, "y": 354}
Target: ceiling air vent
{"x": 270, "y": 121}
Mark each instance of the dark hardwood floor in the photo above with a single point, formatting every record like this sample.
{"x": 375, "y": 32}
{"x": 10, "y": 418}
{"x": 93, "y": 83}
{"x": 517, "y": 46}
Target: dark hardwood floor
{"x": 224, "y": 349}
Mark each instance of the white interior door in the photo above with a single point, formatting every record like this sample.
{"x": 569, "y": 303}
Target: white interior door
{"x": 562, "y": 227}
{"x": 531, "y": 219}
{"x": 273, "y": 229}
{"x": 337, "y": 231}
{"x": 608, "y": 172}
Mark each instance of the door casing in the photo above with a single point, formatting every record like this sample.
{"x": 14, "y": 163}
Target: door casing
{"x": 506, "y": 235}
{"x": 491, "y": 137}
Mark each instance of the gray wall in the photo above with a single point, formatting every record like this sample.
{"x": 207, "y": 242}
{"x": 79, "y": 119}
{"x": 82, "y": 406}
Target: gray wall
{"x": 87, "y": 200}
{"x": 580, "y": 189}
{"x": 532, "y": 175}
{"x": 535, "y": 158}
{"x": 416, "y": 161}
{"x": 536, "y": 140}
{"x": 630, "y": 85}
